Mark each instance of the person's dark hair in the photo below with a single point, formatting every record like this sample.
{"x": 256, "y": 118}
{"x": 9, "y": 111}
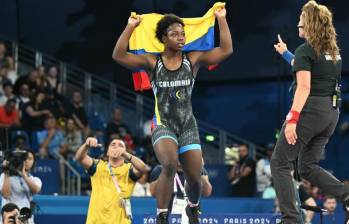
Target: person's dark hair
{"x": 19, "y": 136}
{"x": 164, "y": 23}
{"x": 8, "y": 83}
{"x": 11, "y": 100}
{"x": 9, "y": 207}
{"x": 33, "y": 96}
{"x": 28, "y": 150}
{"x": 49, "y": 117}
{"x": 244, "y": 145}
{"x": 327, "y": 197}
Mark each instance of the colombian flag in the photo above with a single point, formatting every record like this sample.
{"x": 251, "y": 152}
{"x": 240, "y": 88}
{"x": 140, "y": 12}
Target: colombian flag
{"x": 199, "y": 37}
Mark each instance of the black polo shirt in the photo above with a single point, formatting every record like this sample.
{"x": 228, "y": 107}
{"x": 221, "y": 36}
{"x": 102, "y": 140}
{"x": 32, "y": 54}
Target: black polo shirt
{"x": 324, "y": 72}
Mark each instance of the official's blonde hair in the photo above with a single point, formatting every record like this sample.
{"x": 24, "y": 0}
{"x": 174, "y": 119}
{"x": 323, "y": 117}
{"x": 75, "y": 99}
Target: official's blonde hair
{"x": 319, "y": 30}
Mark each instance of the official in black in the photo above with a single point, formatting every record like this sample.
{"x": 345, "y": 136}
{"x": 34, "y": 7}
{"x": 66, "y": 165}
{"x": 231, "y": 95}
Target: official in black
{"x": 314, "y": 112}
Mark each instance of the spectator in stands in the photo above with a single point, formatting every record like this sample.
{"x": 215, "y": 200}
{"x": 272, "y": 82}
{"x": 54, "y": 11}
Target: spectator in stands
{"x": 79, "y": 113}
{"x": 41, "y": 81}
{"x": 9, "y": 116}
{"x": 8, "y": 93}
{"x": 112, "y": 181}
{"x": 51, "y": 140}
{"x": 33, "y": 113}
{"x": 269, "y": 192}
{"x": 178, "y": 201}
{"x": 146, "y": 150}
{"x": 263, "y": 171}
{"x": 306, "y": 199}
{"x": 54, "y": 105}
{"x": 72, "y": 137}
{"x": 142, "y": 187}
{"x": 23, "y": 96}
{"x": 20, "y": 141}
{"x": 20, "y": 188}
{"x": 116, "y": 125}
{"x": 9, "y": 214}
{"x": 312, "y": 190}
{"x": 30, "y": 79}
{"x": 3, "y": 78}
{"x": 4, "y": 58}
{"x": 53, "y": 80}
{"x": 330, "y": 204}
{"x": 243, "y": 174}
{"x": 7, "y": 63}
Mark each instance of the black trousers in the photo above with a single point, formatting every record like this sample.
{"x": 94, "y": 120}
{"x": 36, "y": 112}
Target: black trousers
{"x": 317, "y": 123}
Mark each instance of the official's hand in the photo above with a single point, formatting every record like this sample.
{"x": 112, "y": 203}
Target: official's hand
{"x": 134, "y": 20}
{"x": 290, "y": 133}
{"x": 281, "y": 46}
{"x": 220, "y": 12}
{"x": 92, "y": 142}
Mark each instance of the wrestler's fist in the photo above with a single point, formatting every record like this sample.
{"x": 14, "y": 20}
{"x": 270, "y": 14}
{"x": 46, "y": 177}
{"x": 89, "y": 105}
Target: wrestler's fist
{"x": 220, "y": 12}
{"x": 134, "y": 20}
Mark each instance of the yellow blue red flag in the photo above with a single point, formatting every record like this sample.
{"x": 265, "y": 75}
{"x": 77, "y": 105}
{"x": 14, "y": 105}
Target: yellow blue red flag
{"x": 199, "y": 37}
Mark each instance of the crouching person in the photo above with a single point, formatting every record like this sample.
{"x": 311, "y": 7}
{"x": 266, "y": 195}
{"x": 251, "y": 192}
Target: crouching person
{"x": 112, "y": 181}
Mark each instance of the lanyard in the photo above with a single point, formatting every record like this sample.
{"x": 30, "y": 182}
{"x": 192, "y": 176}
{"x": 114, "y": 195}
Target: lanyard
{"x": 179, "y": 182}
{"x": 28, "y": 194}
{"x": 113, "y": 177}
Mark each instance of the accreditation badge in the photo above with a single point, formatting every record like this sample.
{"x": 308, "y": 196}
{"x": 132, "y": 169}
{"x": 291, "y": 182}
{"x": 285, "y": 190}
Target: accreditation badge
{"x": 178, "y": 206}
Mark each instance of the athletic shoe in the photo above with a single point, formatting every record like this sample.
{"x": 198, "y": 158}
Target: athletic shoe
{"x": 193, "y": 214}
{"x": 162, "y": 218}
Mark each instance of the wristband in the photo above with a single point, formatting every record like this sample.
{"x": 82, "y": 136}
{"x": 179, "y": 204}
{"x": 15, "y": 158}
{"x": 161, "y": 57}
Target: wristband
{"x": 292, "y": 117}
{"x": 288, "y": 56}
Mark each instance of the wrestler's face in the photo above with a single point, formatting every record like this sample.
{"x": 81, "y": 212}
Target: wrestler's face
{"x": 301, "y": 27}
{"x": 175, "y": 38}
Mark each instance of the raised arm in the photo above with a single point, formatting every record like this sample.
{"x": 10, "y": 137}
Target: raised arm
{"x": 129, "y": 60}
{"x": 139, "y": 167}
{"x": 281, "y": 48}
{"x": 225, "y": 48}
{"x": 81, "y": 155}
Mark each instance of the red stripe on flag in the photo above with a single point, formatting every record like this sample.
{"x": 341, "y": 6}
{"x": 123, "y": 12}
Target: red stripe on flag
{"x": 141, "y": 81}
{"x": 212, "y": 67}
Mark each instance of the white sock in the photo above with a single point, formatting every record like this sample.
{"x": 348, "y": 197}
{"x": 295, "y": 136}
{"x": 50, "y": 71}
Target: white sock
{"x": 192, "y": 205}
{"x": 159, "y": 210}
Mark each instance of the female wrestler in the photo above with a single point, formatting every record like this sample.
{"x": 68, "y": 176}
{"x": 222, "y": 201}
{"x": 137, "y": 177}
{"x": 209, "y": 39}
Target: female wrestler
{"x": 172, "y": 75}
